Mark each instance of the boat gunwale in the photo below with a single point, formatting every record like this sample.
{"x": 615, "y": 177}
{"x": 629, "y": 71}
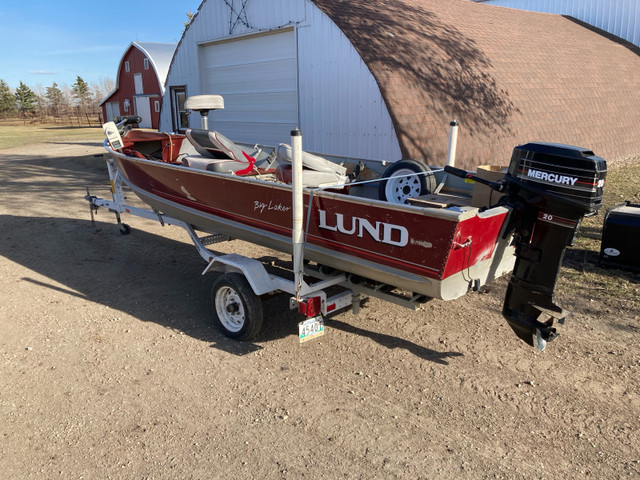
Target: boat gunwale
{"x": 458, "y": 215}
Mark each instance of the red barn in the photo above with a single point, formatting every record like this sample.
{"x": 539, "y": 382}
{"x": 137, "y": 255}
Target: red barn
{"x": 142, "y": 73}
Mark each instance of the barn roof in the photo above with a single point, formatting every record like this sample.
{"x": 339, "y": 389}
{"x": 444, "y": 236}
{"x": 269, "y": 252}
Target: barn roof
{"x": 160, "y": 55}
{"x": 508, "y": 76}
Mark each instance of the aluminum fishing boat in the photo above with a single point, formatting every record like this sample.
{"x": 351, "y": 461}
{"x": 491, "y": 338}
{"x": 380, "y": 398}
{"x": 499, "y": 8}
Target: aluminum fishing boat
{"x": 373, "y": 226}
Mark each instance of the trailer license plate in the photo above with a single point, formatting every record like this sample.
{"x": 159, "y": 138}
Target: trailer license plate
{"x": 311, "y": 328}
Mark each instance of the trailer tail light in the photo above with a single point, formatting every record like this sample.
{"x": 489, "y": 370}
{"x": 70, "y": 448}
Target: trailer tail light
{"x": 310, "y": 307}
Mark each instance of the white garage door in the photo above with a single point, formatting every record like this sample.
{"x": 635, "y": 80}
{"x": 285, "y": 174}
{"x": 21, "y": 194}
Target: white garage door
{"x": 257, "y": 78}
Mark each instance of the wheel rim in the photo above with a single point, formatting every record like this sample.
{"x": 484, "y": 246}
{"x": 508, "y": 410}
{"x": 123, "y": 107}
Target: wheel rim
{"x": 230, "y": 309}
{"x": 401, "y": 185}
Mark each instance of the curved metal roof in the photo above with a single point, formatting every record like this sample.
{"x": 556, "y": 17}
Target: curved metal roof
{"x": 508, "y": 76}
{"x": 160, "y": 55}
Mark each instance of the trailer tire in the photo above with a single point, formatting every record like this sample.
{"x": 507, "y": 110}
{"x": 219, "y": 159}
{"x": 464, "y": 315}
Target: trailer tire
{"x": 399, "y": 184}
{"x": 237, "y": 310}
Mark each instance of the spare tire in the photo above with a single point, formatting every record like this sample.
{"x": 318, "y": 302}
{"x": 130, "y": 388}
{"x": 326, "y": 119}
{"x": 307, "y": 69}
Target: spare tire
{"x": 406, "y": 179}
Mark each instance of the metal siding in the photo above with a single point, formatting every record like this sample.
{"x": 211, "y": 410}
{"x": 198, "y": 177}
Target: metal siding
{"x": 618, "y": 17}
{"x": 341, "y": 109}
{"x": 634, "y": 26}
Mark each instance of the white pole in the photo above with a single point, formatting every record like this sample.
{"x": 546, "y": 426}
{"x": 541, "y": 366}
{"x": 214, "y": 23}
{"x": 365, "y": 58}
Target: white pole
{"x": 298, "y": 211}
{"x": 453, "y": 141}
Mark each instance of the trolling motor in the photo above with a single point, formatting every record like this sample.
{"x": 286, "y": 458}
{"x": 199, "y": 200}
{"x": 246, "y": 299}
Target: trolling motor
{"x": 126, "y": 123}
{"x": 550, "y": 188}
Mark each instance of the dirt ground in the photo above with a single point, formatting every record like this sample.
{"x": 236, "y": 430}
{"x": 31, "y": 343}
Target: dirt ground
{"x": 111, "y": 369}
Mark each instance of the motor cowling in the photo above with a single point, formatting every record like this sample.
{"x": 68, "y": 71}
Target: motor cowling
{"x": 551, "y": 188}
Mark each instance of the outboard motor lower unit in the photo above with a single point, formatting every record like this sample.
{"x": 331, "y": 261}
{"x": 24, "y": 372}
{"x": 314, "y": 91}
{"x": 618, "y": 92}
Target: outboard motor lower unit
{"x": 551, "y": 187}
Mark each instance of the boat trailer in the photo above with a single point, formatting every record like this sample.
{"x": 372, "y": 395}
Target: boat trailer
{"x": 237, "y": 292}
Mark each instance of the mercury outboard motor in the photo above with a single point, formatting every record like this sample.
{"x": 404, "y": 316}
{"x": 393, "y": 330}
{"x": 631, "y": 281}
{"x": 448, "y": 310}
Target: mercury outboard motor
{"x": 556, "y": 185}
{"x": 550, "y": 188}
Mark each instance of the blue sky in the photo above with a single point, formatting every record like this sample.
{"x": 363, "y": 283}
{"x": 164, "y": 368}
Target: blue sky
{"x": 46, "y": 41}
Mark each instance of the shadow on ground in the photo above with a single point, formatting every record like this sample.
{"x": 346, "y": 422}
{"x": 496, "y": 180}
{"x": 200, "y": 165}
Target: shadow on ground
{"x": 150, "y": 277}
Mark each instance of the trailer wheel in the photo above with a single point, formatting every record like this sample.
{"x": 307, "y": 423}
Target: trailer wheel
{"x": 406, "y": 179}
{"x": 237, "y": 310}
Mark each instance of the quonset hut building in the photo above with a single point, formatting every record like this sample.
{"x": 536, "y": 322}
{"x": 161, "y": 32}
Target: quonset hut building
{"x": 379, "y": 79}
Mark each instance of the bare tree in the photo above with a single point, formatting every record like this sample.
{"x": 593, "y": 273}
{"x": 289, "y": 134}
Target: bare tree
{"x": 101, "y": 89}
{"x": 106, "y": 85}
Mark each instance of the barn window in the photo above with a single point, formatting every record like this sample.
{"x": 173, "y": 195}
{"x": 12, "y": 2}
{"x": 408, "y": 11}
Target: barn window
{"x": 179, "y": 113}
{"x": 146, "y": 64}
{"x": 156, "y": 105}
{"x": 126, "y": 66}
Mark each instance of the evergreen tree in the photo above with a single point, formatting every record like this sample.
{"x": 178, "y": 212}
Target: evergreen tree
{"x": 81, "y": 92}
{"x": 7, "y": 100}
{"x": 55, "y": 98}
{"x": 25, "y": 98}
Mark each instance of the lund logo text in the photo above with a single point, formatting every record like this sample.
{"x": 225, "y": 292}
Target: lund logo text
{"x": 382, "y": 232}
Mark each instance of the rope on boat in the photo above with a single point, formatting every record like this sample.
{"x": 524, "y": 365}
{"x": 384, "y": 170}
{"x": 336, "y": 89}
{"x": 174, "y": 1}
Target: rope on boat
{"x": 306, "y": 227}
{"x": 170, "y": 146}
{"x": 381, "y": 179}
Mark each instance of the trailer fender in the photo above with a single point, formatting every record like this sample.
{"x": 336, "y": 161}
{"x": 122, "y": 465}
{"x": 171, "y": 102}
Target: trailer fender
{"x": 253, "y": 270}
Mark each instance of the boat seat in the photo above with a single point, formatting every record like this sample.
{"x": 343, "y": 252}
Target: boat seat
{"x": 311, "y": 161}
{"x": 220, "y": 165}
{"x": 215, "y": 146}
{"x": 317, "y": 172}
{"x": 310, "y": 178}
{"x": 205, "y": 103}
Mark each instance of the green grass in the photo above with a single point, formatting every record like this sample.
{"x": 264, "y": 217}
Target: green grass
{"x": 17, "y": 135}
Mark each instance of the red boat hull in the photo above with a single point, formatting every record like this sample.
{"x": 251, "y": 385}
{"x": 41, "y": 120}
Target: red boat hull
{"x": 435, "y": 252}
